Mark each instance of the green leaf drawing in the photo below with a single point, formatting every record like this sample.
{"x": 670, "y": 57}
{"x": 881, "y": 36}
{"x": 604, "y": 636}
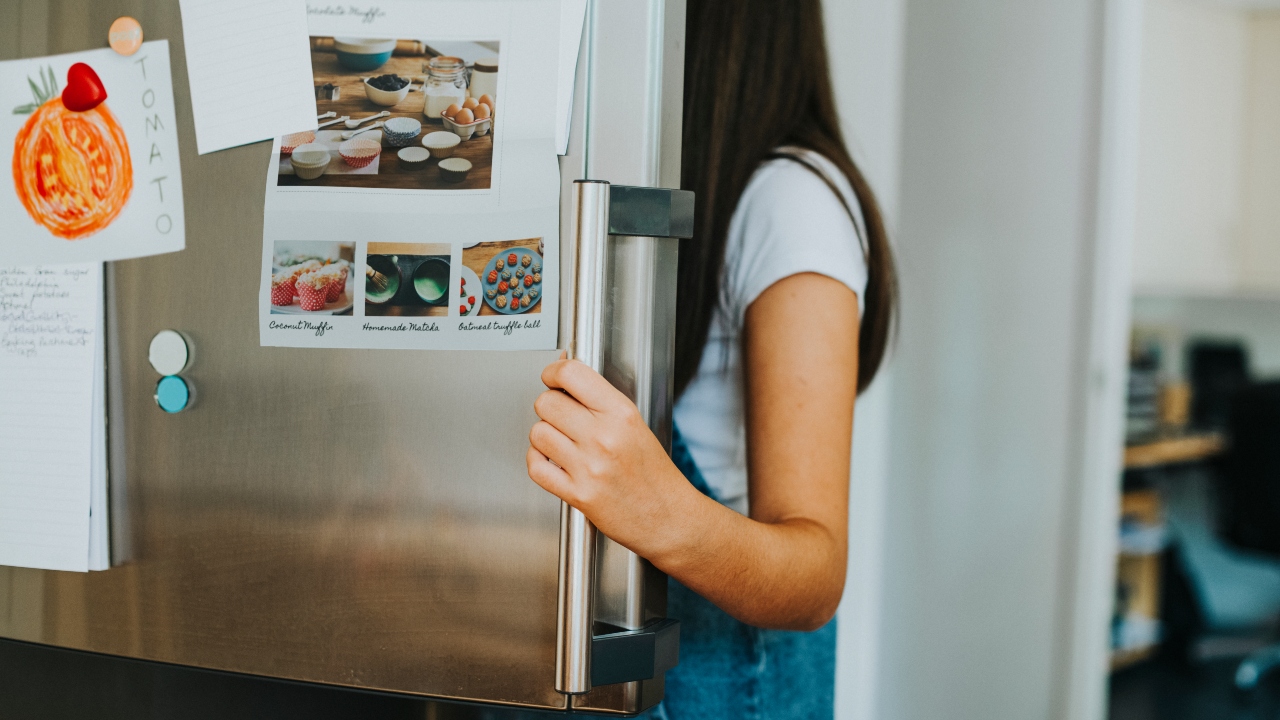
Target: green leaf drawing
{"x": 42, "y": 93}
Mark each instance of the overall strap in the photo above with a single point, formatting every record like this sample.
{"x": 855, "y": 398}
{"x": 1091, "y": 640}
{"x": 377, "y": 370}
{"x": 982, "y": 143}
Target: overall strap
{"x": 683, "y": 459}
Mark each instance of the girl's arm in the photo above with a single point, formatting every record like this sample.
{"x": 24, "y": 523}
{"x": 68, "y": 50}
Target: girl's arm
{"x": 784, "y": 566}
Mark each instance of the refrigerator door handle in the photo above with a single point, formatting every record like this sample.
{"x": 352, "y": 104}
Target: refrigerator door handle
{"x": 601, "y": 210}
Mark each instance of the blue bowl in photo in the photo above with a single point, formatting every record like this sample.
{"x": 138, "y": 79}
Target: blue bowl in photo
{"x": 363, "y": 54}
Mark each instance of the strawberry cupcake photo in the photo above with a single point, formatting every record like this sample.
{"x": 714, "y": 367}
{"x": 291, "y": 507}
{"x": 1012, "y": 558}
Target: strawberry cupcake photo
{"x": 312, "y": 278}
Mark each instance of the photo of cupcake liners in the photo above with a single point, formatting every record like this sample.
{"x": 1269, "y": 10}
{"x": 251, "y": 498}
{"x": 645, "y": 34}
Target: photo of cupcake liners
{"x": 296, "y": 271}
{"x": 414, "y": 158}
{"x": 441, "y": 144}
{"x": 358, "y": 152}
{"x": 283, "y": 289}
{"x": 337, "y": 286}
{"x": 313, "y": 291}
{"x": 401, "y": 131}
{"x": 309, "y": 277}
{"x": 290, "y": 142}
{"x": 310, "y": 160}
{"x": 454, "y": 169}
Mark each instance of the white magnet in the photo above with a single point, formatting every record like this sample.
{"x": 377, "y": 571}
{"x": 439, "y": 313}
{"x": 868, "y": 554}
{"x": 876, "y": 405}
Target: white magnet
{"x": 169, "y": 353}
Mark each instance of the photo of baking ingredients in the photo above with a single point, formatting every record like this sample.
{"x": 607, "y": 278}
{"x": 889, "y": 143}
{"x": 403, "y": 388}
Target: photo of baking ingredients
{"x": 397, "y": 114}
{"x": 509, "y": 275}
{"x": 407, "y": 279}
{"x": 312, "y": 278}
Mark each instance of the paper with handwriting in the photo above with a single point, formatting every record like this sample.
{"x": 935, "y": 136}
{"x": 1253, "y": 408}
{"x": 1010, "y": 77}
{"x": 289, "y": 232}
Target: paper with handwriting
{"x": 49, "y": 369}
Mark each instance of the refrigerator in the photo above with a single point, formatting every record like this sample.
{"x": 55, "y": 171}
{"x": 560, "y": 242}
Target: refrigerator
{"x": 364, "y": 518}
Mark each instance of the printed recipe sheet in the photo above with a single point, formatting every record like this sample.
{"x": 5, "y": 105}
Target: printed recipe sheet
{"x": 424, "y": 211}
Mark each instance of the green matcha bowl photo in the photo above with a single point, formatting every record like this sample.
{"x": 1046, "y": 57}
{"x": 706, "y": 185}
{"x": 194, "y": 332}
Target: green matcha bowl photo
{"x": 414, "y": 283}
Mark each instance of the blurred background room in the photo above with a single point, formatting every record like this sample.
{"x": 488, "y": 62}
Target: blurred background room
{"x": 1067, "y": 488}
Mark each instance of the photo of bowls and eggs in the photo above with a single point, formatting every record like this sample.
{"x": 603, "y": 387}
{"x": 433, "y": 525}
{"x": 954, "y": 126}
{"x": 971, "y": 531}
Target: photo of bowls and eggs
{"x": 312, "y": 278}
{"x": 397, "y": 114}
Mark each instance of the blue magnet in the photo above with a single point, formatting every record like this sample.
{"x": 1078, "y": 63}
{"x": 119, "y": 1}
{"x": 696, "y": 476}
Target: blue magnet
{"x": 172, "y": 394}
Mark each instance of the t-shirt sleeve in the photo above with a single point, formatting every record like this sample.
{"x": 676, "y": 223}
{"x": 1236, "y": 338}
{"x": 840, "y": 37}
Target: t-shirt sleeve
{"x": 789, "y": 222}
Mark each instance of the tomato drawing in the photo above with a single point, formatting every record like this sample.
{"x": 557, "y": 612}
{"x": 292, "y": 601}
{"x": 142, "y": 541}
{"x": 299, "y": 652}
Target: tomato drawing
{"x": 71, "y": 165}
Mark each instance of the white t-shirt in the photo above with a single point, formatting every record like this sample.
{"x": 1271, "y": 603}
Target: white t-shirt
{"x": 787, "y": 222}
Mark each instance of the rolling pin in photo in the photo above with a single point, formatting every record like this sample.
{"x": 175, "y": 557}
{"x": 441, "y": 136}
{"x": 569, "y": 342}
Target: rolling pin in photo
{"x": 403, "y": 47}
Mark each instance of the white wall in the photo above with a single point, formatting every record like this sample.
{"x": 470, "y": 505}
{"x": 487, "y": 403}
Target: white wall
{"x": 1001, "y": 159}
{"x": 865, "y": 43}
{"x": 1189, "y": 206}
{"x": 1261, "y": 266}
{"x": 1209, "y": 164}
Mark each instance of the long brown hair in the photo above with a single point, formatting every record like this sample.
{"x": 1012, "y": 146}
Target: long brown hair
{"x": 757, "y": 78}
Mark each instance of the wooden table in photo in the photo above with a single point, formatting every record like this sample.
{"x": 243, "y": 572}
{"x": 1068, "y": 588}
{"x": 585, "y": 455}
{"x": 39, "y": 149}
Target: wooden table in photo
{"x": 391, "y": 174}
{"x": 479, "y": 256}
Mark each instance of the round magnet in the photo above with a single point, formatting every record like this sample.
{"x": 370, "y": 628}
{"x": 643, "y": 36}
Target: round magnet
{"x": 172, "y": 394}
{"x": 169, "y": 352}
{"x": 125, "y": 35}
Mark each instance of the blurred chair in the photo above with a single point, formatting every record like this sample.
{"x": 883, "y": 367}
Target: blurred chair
{"x": 1250, "y": 494}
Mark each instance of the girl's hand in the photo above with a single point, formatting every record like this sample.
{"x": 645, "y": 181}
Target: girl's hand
{"x": 782, "y": 567}
{"x": 594, "y": 451}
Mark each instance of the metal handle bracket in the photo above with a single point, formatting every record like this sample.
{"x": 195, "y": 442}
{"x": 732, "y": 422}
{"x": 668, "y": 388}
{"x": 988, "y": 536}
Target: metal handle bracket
{"x": 650, "y": 212}
{"x": 630, "y": 655}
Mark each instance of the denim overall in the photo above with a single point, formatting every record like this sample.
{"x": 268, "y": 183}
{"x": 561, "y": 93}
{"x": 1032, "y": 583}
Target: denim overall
{"x": 731, "y": 670}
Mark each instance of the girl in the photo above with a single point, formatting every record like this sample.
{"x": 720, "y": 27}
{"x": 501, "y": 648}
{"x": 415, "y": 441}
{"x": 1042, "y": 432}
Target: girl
{"x": 786, "y": 296}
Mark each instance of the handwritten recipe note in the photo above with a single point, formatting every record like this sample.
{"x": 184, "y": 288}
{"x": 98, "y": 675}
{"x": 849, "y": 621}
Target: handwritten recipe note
{"x": 50, "y": 319}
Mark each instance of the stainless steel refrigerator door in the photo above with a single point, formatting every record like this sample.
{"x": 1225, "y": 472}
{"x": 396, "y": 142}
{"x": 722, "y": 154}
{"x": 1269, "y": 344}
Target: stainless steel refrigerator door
{"x": 359, "y": 518}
